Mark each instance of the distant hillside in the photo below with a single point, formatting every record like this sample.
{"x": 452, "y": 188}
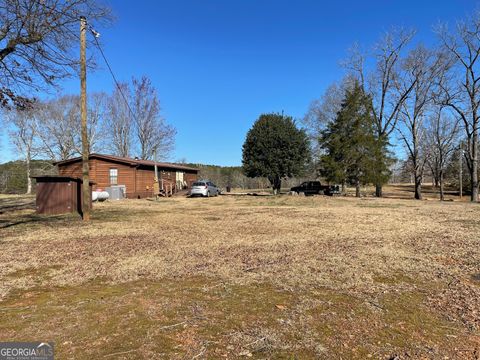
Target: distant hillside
{"x": 233, "y": 176}
{"x": 13, "y": 178}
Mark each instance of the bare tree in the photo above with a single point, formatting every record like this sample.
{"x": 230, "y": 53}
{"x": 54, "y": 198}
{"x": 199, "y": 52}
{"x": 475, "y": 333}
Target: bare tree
{"x": 380, "y": 80}
{"x": 152, "y": 132}
{"x": 442, "y": 136}
{"x": 24, "y": 137}
{"x": 97, "y": 119}
{"x": 96, "y": 115}
{"x": 120, "y": 122}
{"x": 460, "y": 88}
{"x": 135, "y": 123}
{"x": 37, "y": 43}
{"x": 421, "y": 68}
{"x": 58, "y": 124}
{"x": 324, "y": 110}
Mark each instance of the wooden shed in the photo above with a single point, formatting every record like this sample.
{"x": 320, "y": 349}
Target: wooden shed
{"x": 59, "y": 194}
{"x": 135, "y": 175}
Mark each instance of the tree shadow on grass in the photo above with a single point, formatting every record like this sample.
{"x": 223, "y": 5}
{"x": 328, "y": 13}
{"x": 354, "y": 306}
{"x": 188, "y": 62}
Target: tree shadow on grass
{"x": 12, "y": 219}
{"x": 10, "y": 204}
{"x": 35, "y": 218}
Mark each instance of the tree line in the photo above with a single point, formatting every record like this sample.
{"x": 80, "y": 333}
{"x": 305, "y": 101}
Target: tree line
{"x": 423, "y": 98}
{"x": 126, "y": 123}
{"x": 399, "y": 92}
{"x": 12, "y": 175}
{"x": 234, "y": 177}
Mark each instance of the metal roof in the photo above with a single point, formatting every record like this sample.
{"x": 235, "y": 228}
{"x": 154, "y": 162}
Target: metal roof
{"x": 129, "y": 161}
{"x": 53, "y": 178}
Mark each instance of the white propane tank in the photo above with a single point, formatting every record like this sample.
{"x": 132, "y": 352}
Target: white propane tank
{"x": 99, "y": 195}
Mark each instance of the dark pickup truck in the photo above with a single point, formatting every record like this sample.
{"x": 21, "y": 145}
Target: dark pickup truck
{"x": 315, "y": 188}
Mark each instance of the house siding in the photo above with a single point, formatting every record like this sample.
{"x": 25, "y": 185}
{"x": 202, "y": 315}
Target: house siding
{"x": 138, "y": 179}
{"x": 145, "y": 179}
{"x": 100, "y": 174}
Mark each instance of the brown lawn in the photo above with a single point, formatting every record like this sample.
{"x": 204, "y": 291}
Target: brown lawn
{"x": 246, "y": 277}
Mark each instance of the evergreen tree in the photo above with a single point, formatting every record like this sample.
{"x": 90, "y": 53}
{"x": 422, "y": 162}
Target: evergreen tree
{"x": 352, "y": 152}
{"x": 275, "y": 148}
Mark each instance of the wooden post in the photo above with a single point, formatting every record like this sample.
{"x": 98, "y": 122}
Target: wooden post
{"x": 155, "y": 160}
{"x": 461, "y": 173}
{"x": 83, "y": 112}
{"x": 156, "y": 187}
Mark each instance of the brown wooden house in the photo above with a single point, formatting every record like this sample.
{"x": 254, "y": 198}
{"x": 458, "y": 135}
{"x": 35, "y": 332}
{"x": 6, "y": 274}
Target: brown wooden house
{"x": 136, "y": 175}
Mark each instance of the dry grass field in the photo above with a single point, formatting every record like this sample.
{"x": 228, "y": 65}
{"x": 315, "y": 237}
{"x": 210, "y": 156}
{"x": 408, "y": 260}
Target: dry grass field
{"x": 246, "y": 277}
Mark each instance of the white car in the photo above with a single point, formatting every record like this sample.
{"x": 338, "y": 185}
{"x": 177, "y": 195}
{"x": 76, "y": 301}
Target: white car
{"x": 204, "y": 188}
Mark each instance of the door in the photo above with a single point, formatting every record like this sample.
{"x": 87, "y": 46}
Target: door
{"x": 179, "y": 179}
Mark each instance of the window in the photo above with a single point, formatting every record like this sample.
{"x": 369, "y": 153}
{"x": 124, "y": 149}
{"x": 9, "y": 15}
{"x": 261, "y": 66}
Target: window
{"x": 113, "y": 176}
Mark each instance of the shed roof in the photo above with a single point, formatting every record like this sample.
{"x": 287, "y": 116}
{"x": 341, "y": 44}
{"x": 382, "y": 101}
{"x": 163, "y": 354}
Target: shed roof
{"x": 129, "y": 161}
{"x": 53, "y": 178}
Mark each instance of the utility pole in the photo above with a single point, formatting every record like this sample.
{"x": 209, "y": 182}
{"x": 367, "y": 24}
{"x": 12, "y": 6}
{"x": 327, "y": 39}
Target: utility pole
{"x": 83, "y": 112}
{"x": 461, "y": 172}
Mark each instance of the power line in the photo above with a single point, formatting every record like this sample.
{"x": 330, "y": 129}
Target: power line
{"x": 95, "y": 35}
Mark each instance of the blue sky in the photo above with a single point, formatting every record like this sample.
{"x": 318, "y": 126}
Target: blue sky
{"x": 218, "y": 64}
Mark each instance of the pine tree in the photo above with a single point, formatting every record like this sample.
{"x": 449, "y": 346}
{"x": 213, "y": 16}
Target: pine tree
{"x": 352, "y": 153}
